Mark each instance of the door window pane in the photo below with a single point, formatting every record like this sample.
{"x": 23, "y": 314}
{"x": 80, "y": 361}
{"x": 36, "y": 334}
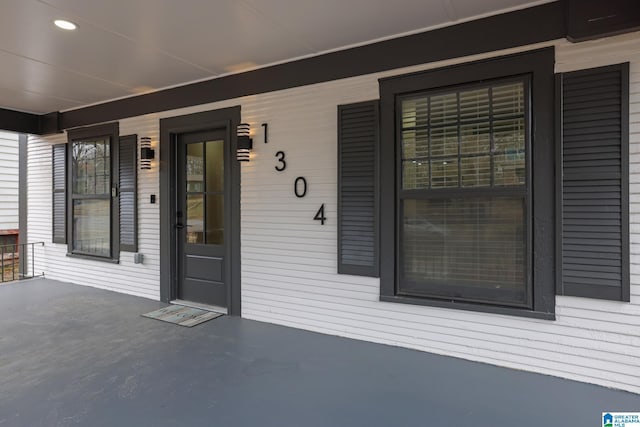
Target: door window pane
{"x": 215, "y": 166}
{"x": 195, "y": 167}
{"x": 215, "y": 219}
{"x": 91, "y": 227}
{"x": 195, "y": 218}
{"x": 205, "y": 193}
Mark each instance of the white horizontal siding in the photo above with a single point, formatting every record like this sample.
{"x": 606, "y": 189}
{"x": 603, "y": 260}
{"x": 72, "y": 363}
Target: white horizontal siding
{"x": 289, "y": 265}
{"x": 9, "y": 181}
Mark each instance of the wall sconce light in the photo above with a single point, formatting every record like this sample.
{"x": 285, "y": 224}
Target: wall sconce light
{"x": 245, "y": 143}
{"x": 146, "y": 153}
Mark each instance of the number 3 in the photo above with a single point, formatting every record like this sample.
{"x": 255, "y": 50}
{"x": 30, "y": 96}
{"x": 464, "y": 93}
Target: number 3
{"x": 280, "y": 156}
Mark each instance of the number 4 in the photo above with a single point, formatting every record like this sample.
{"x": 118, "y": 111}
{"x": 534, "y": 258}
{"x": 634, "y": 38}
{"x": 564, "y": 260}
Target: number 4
{"x": 320, "y": 215}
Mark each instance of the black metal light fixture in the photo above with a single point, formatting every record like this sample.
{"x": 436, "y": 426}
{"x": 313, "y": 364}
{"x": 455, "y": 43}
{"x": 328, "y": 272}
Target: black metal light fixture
{"x": 146, "y": 153}
{"x": 245, "y": 143}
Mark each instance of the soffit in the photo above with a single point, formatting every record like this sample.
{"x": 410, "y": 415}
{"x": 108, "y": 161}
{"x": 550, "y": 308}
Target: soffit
{"x": 128, "y": 47}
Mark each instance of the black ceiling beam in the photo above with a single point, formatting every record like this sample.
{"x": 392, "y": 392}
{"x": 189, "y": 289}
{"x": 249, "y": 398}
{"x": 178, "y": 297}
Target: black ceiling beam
{"x": 17, "y": 121}
{"x": 36, "y": 124}
{"x": 50, "y": 123}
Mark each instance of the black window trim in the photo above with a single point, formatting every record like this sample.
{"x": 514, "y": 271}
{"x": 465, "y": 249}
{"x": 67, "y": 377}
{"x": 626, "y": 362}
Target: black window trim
{"x": 110, "y": 131}
{"x": 539, "y": 64}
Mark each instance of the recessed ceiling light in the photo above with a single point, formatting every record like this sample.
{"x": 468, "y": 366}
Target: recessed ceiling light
{"x": 65, "y": 25}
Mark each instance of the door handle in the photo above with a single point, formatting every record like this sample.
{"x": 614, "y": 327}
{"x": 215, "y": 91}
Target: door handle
{"x": 181, "y": 226}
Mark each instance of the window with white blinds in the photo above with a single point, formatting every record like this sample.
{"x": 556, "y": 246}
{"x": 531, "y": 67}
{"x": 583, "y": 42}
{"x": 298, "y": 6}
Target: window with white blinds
{"x": 463, "y": 193}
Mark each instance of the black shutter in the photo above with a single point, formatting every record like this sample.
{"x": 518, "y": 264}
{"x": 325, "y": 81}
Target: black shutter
{"x": 595, "y": 183}
{"x": 128, "y": 167}
{"x": 59, "y": 214}
{"x": 358, "y": 189}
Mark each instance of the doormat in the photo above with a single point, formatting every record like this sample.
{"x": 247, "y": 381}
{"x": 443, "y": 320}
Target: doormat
{"x": 181, "y": 315}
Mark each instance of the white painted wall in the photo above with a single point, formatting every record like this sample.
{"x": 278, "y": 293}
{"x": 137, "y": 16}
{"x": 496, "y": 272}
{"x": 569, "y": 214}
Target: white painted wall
{"x": 289, "y": 266}
{"x": 8, "y": 181}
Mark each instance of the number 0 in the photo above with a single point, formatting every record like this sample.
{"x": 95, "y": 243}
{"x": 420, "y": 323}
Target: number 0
{"x": 304, "y": 187}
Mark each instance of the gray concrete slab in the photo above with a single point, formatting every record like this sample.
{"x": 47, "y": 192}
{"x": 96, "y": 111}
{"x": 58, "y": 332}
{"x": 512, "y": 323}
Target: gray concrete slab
{"x": 76, "y": 356}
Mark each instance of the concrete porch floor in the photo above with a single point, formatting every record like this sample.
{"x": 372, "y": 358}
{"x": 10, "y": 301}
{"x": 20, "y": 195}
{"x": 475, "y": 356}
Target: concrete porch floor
{"x": 72, "y": 355}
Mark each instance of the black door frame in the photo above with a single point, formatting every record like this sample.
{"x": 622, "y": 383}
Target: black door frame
{"x": 228, "y": 119}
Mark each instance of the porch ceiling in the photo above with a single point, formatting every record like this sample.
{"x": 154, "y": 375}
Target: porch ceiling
{"x": 127, "y": 47}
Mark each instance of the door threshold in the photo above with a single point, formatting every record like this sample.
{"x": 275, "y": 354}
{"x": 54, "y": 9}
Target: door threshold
{"x": 206, "y": 307}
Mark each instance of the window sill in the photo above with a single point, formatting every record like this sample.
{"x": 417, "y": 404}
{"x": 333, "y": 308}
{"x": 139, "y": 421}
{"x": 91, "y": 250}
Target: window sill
{"x": 469, "y": 307}
{"x": 94, "y": 258}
